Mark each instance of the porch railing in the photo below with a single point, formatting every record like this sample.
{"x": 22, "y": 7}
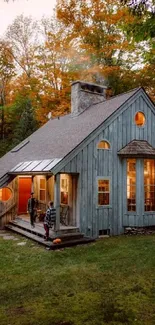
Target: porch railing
{"x": 7, "y": 212}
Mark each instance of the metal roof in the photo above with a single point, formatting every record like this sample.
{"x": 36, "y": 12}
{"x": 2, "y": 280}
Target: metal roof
{"x": 4, "y": 180}
{"x": 34, "y": 166}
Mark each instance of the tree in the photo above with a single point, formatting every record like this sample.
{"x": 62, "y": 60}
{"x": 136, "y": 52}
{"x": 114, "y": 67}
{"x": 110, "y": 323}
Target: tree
{"x": 7, "y": 72}
{"x": 27, "y": 122}
{"x": 142, "y": 31}
{"x": 144, "y": 26}
{"x": 140, "y": 6}
{"x": 98, "y": 27}
{"x": 22, "y": 36}
{"x": 56, "y": 55}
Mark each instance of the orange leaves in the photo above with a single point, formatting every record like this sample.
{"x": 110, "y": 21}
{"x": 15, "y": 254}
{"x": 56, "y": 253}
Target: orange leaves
{"x": 88, "y": 40}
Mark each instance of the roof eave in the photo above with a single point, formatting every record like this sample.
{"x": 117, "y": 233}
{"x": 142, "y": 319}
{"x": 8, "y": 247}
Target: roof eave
{"x": 132, "y": 155}
{"x": 31, "y": 173}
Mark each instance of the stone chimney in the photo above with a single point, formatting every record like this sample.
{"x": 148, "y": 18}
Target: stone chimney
{"x": 85, "y": 94}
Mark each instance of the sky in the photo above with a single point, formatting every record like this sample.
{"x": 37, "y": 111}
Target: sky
{"x": 34, "y": 8}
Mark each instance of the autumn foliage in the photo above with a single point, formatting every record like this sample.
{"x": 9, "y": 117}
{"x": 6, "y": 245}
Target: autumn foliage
{"x": 93, "y": 40}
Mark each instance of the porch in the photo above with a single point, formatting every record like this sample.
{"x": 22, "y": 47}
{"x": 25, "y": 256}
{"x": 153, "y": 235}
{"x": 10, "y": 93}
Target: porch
{"x": 70, "y": 236}
{"x": 62, "y": 189}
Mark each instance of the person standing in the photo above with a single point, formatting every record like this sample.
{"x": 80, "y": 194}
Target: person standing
{"x": 31, "y": 209}
{"x": 50, "y": 219}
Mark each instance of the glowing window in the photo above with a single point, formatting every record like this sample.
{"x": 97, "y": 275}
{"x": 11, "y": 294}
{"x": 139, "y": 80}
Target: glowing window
{"x": 42, "y": 189}
{"x": 5, "y": 194}
{"x": 103, "y": 145}
{"x": 64, "y": 185}
{"x": 131, "y": 185}
{"x": 103, "y": 191}
{"x": 149, "y": 185}
{"x": 140, "y": 119}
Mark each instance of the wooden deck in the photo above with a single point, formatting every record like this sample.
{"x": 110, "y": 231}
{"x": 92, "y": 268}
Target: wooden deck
{"x": 25, "y": 221}
{"x": 70, "y": 236}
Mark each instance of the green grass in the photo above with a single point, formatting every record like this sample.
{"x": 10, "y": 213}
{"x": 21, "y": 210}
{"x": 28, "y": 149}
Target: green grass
{"x": 110, "y": 282}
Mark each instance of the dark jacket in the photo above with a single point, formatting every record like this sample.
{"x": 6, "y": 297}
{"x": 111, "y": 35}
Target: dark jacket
{"x": 31, "y": 204}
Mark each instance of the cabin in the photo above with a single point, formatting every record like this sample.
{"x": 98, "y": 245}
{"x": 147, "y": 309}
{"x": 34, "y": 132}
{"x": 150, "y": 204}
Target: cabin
{"x": 97, "y": 164}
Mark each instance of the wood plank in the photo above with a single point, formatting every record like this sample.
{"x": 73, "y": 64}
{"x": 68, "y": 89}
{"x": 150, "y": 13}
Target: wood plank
{"x": 148, "y": 125}
{"x": 137, "y": 110}
{"x": 139, "y": 191}
{"x": 95, "y": 210}
{"x": 57, "y": 200}
{"x": 114, "y": 181}
{"x": 105, "y": 220}
{"x": 133, "y": 126}
{"x": 141, "y": 129}
{"x": 120, "y": 174}
{"x": 90, "y": 187}
{"x": 125, "y": 220}
{"x": 124, "y": 188}
{"x": 84, "y": 191}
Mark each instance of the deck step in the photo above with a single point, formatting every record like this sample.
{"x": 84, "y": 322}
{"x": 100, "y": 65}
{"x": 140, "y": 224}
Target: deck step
{"x": 27, "y": 234}
{"x": 49, "y": 244}
{"x": 39, "y": 231}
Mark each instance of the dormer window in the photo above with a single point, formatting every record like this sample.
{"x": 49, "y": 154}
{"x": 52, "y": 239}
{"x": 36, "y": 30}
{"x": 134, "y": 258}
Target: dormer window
{"x": 103, "y": 145}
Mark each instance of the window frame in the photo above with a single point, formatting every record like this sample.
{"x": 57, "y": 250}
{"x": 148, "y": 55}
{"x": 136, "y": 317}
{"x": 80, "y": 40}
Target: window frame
{"x": 136, "y": 175}
{"x": 11, "y": 196}
{"x": 149, "y": 185}
{"x": 62, "y": 179}
{"x": 40, "y": 189}
{"x": 110, "y": 192}
{"x": 104, "y": 140}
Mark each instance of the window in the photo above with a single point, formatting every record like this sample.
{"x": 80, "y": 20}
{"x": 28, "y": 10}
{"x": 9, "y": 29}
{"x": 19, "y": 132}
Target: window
{"x": 103, "y": 192}
{"x": 20, "y": 146}
{"x": 131, "y": 184}
{"x": 64, "y": 185}
{"x": 149, "y": 185}
{"x": 5, "y": 194}
{"x": 42, "y": 190}
{"x": 103, "y": 145}
{"x": 139, "y": 119}
{"x": 104, "y": 232}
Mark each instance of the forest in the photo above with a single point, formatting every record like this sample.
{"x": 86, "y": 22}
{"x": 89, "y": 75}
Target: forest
{"x": 109, "y": 42}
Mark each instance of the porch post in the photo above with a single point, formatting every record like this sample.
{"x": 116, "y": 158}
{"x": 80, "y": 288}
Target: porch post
{"x": 57, "y": 200}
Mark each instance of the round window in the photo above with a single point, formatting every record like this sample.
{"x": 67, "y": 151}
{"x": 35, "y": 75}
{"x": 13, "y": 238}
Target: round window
{"x": 5, "y": 194}
{"x": 140, "y": 119}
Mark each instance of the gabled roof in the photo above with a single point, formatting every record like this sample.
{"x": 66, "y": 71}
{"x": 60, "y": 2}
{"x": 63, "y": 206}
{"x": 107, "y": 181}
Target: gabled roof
{"x": 58, "y": 137}
{"x": 137, "y": 148}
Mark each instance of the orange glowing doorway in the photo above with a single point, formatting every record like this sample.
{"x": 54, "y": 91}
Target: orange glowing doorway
{"x": 24, "y": 186}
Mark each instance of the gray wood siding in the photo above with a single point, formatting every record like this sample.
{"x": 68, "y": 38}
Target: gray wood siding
{"x": 91, "y": 162}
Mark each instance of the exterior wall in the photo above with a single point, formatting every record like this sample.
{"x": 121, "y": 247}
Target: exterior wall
{"x": 91, "y": 162}
{"x": 8, "y": 209}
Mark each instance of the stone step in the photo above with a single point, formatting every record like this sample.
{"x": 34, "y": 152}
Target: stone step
{"x": 49, "y": 244}
{"x": 39, "y": 231}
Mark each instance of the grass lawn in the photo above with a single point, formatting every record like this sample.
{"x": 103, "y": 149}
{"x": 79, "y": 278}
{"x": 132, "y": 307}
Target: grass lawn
{"x": 109, "y": 282}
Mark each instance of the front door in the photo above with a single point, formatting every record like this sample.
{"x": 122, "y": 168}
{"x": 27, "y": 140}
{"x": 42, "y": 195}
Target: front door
{"x": 24, "y": 191}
